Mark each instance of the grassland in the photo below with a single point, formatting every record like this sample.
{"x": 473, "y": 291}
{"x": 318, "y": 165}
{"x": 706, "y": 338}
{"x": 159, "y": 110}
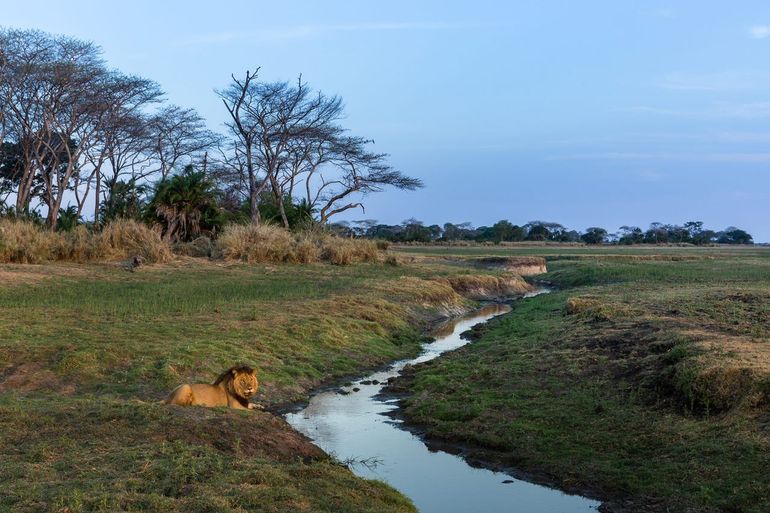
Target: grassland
{"x": 87, "y": 351}
{"x": 643, "y": 379}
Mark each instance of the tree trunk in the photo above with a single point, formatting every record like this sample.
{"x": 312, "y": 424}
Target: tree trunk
{"x": 256, "y": 219}
{"x": 278, "y": 194}
{"x": 97, "y": 193}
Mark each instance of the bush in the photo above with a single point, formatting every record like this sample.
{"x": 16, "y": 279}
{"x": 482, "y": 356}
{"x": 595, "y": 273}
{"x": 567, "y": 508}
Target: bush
{"x": 199, "y": 248}
{"x": 271, "y": 244}
{"x": 343, "y": 251}
{"x": 307, "y": 251}
{"x": 256, "y": 244}
{"x": 125, "y": 238}
{"x": 24, "y": 242}
{"x": 78, "y": 245}
{"x": 121, "y": 239}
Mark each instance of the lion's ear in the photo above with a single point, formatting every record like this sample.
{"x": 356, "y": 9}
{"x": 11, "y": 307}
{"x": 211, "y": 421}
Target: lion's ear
{"x": 233, "y": 372}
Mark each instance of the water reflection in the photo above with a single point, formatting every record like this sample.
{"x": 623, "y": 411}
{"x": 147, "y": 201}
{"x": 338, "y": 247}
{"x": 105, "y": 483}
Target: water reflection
{"x": 354, "y": 427}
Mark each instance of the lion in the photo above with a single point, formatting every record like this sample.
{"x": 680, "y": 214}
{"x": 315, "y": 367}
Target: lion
{"x": 233, "y": 388}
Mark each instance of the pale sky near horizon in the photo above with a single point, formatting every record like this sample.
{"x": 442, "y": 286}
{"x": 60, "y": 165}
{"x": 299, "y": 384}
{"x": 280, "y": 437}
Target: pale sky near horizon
{"x": 593, "y": 113}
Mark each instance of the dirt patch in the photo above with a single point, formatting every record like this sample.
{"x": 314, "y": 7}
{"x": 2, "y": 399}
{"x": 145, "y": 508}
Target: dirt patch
{"x": 256, "y": 434}
{"x": 13, "y": 278}
{"x": 31, "y": 377}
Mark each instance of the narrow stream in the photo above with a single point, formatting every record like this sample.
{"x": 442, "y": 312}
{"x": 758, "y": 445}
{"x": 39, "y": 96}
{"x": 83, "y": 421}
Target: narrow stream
{"x": 354, "y": 426}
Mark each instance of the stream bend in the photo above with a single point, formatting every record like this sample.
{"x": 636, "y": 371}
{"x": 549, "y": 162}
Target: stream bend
{"x": 352, "y": 424}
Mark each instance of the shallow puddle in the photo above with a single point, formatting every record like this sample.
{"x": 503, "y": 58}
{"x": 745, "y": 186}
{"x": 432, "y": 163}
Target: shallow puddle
{"x": 354, "y": 427}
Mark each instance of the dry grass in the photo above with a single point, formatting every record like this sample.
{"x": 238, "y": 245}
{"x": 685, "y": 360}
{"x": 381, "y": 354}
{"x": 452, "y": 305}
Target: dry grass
{"x": 198, "y": 248}
{"x": 306, "y": 251}
{"x": 725, "y": 371}
{"x": 23, "y": 242}
{"x": 256, "y": 244}
{"x": 271, "y": 244}
{"x": 124, "y": 238}
{"x": 594, "y": 309}
{"x": 342, "y": 251}
{"x": 484, "y": 286}
{"x": 26, "y": 243}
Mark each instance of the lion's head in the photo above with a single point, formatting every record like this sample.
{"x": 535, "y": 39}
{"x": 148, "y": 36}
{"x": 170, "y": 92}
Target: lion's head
{"x": 240, "y": 381}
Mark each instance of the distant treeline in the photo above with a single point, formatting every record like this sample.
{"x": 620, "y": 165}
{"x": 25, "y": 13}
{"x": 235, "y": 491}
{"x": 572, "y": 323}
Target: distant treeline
{"x": 412, "y": 230}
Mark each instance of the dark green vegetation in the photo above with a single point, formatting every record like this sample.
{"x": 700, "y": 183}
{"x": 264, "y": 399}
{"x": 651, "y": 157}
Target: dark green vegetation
{"x": 644, "y": 379}
{"x": 87, "y": 351}
{"x": 412, "y": 230}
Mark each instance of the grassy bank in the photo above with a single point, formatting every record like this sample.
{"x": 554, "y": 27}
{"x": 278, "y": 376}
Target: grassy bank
{"x": 87, "y": 351}
{"x": 643, "y": 380}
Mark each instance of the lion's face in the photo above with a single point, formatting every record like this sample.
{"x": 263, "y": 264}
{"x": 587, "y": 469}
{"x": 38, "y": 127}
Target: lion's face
{"x": 245, "y": 383}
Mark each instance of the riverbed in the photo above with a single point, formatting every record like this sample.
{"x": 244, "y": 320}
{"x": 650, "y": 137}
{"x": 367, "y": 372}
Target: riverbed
{"x": 352, "y": 424}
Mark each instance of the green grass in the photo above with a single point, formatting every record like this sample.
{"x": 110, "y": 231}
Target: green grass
{"x": 651, "y": 386}
{"x": 92, "y": 454}
{"x": 87, "y": 351}
{"x": 146, "y": 331}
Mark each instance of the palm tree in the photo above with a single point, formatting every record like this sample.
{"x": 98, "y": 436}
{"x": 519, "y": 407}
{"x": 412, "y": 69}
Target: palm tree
{"x": 186, "y": 205}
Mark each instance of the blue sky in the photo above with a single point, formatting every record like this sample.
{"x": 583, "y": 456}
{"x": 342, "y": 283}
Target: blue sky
{"x": 585, "y": 113}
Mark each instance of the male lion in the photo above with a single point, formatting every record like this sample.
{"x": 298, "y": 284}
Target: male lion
{"x": 232, "y": 388}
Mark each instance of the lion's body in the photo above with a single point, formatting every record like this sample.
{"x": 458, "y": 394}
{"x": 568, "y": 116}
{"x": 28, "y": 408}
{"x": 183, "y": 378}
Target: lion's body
{"x": 232, "y": 389}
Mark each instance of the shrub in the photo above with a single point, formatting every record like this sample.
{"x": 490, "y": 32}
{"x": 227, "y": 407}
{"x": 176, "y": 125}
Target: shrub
{"x": 24, "y": 242}
{"x": 199, "y": 248}
{"x": 125, "y": 238}
{"x": 344, "y": 251}
{"x": 256, "y": 244}
{"x": 78, "y": 245}
{"x": 307, "y": 251}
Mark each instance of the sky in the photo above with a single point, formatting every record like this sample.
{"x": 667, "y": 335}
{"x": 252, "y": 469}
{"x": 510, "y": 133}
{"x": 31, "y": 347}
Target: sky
{"x": 591, "y": 113}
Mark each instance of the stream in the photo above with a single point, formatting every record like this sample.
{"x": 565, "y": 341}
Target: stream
{"x": 354, "y": 427}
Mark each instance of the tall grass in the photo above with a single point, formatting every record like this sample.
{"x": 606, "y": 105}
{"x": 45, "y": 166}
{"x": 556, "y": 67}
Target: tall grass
{"x": 26, "y": 243}
{"x": 271, "y": 244}
{"x": 124, "y": 238}
{"x": 256, "y": 244}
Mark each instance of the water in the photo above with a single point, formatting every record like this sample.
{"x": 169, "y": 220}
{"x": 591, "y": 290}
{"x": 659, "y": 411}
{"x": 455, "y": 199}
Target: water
{"x": 355, "y": 427}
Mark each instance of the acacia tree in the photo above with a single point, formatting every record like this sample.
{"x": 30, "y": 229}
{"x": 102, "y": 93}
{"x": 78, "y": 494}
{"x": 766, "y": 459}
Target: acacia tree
{"x": 238, "y": 99}
{"x": 286, "y": 133}
{"x": 72, "y": 125}
{"x": 179, "y": 138}
{"x": 355, "y": 171}
{"x": 62, "y": 90}
{"x": 21, "y": 98}
{"x": 122, "y": 142}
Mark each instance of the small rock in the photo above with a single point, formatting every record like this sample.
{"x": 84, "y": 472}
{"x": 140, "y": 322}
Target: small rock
{"x": 342, "y": 391}
{"x": 508, "y": 481}
{"x": 366, "y": 382}
{"x": 375, "y": 382}
{"x": 356, "y": 389}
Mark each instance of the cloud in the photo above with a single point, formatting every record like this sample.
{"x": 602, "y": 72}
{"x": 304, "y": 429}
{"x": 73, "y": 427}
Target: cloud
{"x": 759, "y": 31}
{"x": 307, "y": 31}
